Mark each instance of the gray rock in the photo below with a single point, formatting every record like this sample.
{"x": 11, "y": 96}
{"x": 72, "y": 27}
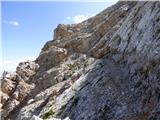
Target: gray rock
{"x": 105, "y": 68}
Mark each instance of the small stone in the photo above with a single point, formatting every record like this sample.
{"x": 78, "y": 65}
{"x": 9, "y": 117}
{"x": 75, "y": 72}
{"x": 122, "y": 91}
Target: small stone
{"x": 35, "y": 118}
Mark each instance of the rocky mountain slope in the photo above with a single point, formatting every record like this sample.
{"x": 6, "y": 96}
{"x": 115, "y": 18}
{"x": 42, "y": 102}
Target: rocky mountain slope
{"x": 105, "y": 68}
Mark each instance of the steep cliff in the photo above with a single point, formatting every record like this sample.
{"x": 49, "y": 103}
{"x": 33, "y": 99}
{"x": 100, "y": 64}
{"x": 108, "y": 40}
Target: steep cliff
{"x": 105, "y": 68}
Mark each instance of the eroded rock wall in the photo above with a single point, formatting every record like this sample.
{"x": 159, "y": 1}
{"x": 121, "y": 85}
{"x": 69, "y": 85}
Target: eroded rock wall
{"x": 105, "y": 68}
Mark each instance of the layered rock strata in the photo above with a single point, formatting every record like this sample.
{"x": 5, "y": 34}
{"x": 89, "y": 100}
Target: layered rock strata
{"x": 105, "y": 68}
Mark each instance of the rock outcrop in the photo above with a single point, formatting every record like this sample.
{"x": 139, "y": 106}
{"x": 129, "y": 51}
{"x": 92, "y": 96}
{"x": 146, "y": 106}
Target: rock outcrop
{"x": 14, "y": 87}
{"x": 105, "y": 68}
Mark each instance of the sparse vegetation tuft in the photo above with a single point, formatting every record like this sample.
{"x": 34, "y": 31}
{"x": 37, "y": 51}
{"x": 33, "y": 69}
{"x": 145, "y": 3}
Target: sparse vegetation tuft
{"x": 48, "y": 114}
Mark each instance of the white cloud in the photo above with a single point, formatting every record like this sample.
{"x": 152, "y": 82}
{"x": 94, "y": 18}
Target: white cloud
{"x": 13, "y": 23}
{"x": 78, "y": 18}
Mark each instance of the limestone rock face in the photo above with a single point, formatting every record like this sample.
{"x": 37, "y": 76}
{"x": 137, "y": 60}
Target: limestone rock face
{"x": 14, "y": 88}
{"x": 26, "y": 69}
{"x": 105, "y": 68}
{"x": 56, "y": 54}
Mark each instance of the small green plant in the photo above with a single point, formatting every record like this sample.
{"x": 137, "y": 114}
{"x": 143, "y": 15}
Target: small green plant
{"x": 153, "y": 118}
{"x": 48, "y": 114}
{"x": 71, "y": 67}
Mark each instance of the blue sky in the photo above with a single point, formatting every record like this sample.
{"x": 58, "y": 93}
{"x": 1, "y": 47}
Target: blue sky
{"x": 27, "y": 26}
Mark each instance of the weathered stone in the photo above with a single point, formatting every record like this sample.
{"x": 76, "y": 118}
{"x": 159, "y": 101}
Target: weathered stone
{"x": 51, "y": 58}
{"x": 105, "y": 68}
{"x": 7, "y": 85}
{"x": 26, "y": 69}
{"x": 35, "y": 118}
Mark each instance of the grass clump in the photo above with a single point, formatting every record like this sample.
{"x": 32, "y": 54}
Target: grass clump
{"x": 48, "y": 114}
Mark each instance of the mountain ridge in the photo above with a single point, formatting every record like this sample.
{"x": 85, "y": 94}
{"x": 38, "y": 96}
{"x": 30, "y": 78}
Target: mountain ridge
{"x": 105, "y": 68}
